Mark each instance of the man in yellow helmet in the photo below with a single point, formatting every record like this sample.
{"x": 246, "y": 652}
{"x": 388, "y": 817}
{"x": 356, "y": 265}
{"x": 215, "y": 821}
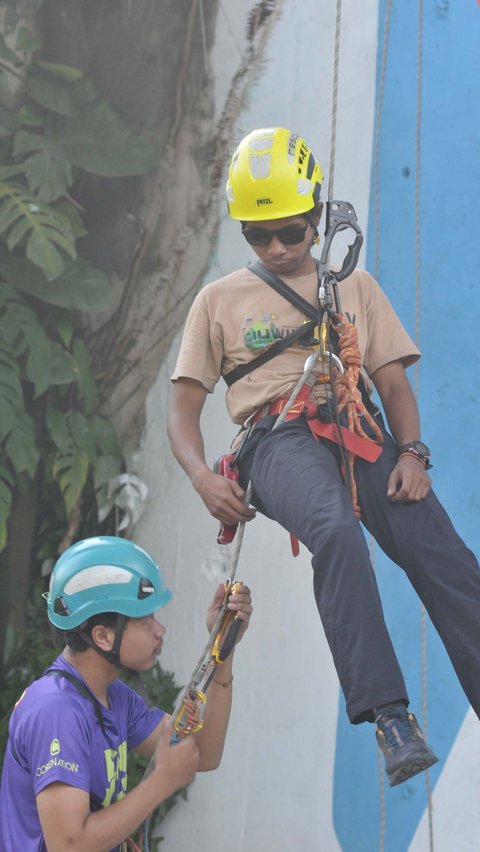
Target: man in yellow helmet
{"x": 297, "y": 470}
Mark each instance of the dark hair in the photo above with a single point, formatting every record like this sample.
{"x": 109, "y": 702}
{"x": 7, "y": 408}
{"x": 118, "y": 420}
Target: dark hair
{"x": 74, "y": 640}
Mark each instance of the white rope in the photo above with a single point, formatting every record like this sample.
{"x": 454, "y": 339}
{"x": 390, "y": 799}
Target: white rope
{"x": 333, "y": 135}
{"x": 418, "y": 281}
{"x": 376, "y": 146}
{"x": 376, "y": 183}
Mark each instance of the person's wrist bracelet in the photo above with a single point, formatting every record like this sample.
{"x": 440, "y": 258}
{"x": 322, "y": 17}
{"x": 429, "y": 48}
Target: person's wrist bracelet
{"x": 223, "y": 683}
{"x": 414, "y": 456}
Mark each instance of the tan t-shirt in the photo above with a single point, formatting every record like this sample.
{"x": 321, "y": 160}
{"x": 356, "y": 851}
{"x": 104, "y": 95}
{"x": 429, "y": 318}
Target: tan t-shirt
{"x": 234, "y": 319}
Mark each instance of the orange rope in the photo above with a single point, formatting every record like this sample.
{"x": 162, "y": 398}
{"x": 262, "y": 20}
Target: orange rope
{"x": 349, "y": 396}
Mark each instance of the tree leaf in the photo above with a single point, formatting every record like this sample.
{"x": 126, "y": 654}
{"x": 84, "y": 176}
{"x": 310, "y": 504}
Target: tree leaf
{"x": 102, "y": 143}
{"x": 47, "y": 170}
{"x": 26, "y": 40}
{"x": 41, "y": 251}
{"x": 57, "y": 427}
{"x": 46, "y": 227}
{"x": 46, "y": 363}
{"x": 64, "y": 326}
{"x": 80, "y": 431}
{"x": 51, "y": 92}
{"x": 65, "y": 72}
{"x": 8, "y": 121}
{"x": 86, "y": 384}
{"x": 80, "y": 286}
{"x": 70, "y": 470}
{"x": 21, "y": 328}
{"x": 7, "y": 54}
{"x": 105, "y": 436}
{"x": 11, "y": 394}
{"x": 63, "y": 367}
{"x": 21, "y": 447}
{"x": 29, "y": 116}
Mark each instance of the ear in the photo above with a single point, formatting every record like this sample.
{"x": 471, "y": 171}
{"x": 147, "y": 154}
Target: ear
{"x": 316, "y": 213}
{"x": 103, "y": 636}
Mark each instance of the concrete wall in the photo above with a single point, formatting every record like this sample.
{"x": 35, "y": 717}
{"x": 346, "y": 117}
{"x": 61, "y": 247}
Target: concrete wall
{"x": 295, "y": 776}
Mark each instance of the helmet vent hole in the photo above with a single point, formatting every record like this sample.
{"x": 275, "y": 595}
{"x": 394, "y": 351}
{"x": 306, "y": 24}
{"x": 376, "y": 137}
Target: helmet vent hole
{"x": 145, "y": 589}
{"x": 60, "y": 607}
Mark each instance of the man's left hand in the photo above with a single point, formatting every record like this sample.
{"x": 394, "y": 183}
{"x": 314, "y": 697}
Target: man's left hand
{"x": 240, "y": 604}
{"x": 408, "y": 481}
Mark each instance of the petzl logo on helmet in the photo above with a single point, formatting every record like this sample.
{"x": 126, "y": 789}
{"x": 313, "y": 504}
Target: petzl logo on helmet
{"x": 291, "y": 145}
{"x": 55, "y": 747}
{"x": 262, "y": 201}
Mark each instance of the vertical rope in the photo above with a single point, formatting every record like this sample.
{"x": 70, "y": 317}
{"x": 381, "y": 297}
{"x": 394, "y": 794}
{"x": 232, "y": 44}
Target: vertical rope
{"x": 333, "y": 135}
{"x": 376, "y": 267}
{"x": 380, "y": 762}
{"x": 376, "y": 145}
{"x": 418, "y": 164}
{"x": 418, "y": 279}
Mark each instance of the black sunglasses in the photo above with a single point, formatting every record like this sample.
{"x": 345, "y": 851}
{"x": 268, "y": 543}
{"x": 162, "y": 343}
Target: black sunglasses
{"x": 289, "y": 236}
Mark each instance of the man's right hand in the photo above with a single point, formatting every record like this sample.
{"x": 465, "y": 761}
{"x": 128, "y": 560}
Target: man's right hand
{"x": 178, "y": 763}
{"x": 224, "y": 498}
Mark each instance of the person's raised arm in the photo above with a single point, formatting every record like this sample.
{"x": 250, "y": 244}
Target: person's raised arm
{"x": 211, "y": 738}
{"x": 408, "y": 480}
{"x": 222, "y": 497}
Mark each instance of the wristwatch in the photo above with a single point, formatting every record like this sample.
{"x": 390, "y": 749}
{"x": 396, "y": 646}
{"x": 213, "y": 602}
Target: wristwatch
{"x": 417, "y": 449}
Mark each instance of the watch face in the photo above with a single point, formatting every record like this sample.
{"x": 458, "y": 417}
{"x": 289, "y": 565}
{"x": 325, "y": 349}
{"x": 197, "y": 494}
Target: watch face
{"x": 421, "y": 448}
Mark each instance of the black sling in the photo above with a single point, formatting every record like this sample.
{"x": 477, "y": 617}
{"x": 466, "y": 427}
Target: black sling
{"x": 304, "y": 330}
{"x": 307, "y": 328}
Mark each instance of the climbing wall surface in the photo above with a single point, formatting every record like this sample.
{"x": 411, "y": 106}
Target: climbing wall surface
{"x": 438, "y": 300}
{"x": 295, "y": 776}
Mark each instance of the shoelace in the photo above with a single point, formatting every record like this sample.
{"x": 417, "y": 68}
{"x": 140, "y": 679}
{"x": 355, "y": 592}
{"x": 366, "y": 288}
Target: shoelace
{"x": 397, "y": 729}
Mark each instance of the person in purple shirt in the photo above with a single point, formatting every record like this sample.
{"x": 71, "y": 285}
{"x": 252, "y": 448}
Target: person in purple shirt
{"x": 64, "y": 782}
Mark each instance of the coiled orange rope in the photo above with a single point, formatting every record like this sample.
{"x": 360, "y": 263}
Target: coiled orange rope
{"x": 349, "y": 396}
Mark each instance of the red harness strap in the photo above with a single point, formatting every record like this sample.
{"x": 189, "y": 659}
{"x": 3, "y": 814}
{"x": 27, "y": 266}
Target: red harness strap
{"x": 349, "y": 438}
{"x": 354, "y": 444}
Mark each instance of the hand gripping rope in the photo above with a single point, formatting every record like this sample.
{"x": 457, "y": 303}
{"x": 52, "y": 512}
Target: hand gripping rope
{"x": 188, "y": 712}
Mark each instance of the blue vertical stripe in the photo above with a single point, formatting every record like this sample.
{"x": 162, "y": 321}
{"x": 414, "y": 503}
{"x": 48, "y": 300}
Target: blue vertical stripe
{"x": 449, "y": 372}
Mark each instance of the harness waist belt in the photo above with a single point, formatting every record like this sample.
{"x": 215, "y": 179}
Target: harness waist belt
{"x": 356, "y": 444}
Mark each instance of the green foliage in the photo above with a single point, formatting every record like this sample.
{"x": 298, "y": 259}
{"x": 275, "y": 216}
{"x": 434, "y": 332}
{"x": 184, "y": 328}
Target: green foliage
{"x": 60, "y": 128}
{"x": 50, "y": 425}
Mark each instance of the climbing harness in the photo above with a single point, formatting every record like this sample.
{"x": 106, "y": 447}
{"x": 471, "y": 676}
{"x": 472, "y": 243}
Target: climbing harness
{"x": 327, "y": 328}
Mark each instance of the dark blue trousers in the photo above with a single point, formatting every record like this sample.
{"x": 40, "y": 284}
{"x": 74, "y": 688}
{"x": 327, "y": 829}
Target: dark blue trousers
{"x": 297, "y": 482}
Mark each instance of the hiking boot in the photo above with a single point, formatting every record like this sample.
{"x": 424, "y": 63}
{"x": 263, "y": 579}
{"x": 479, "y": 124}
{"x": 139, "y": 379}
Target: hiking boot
{"x": 401, "y": 740}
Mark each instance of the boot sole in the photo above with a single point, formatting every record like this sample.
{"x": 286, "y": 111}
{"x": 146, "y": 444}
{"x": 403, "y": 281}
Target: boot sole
{"x": 410, "y": 767}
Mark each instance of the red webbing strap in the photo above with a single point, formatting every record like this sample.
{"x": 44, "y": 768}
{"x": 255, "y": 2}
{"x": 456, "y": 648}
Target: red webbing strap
{"x": 362, "y": 447}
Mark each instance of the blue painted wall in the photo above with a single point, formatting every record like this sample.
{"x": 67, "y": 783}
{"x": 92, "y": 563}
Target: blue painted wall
{"x": 449, "y": 394}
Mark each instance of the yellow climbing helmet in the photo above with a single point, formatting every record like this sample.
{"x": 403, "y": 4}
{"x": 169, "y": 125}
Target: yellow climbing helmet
{"x": 273, "y": 174}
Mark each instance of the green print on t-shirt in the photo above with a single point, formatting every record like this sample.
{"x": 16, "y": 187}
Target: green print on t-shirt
{"x": 260, "y": 336}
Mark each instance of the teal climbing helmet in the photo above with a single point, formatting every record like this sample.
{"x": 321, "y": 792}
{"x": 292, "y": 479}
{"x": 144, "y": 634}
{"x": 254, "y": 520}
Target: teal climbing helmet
{"x": 104, "y": 574}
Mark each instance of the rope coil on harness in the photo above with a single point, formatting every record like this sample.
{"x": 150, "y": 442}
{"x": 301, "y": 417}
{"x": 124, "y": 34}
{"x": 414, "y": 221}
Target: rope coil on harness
{"x": 349, "y": 396}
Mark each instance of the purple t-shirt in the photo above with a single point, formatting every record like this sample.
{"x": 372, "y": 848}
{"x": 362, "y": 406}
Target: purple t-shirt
{"x": 56, "y": 736}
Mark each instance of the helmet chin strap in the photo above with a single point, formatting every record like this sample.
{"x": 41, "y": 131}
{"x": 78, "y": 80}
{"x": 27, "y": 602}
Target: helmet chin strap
{"x": 112, "y": 656}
